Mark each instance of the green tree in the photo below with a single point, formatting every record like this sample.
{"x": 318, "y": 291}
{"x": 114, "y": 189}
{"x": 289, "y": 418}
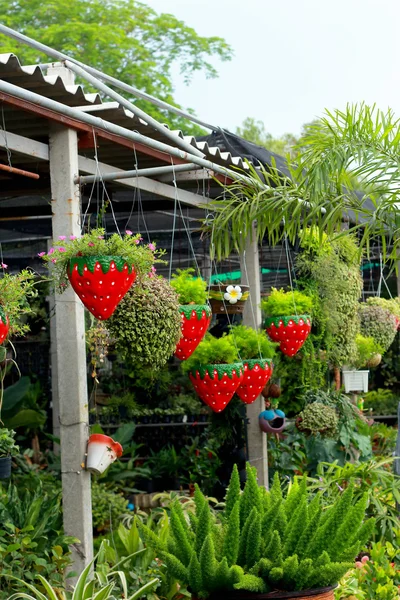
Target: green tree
{"x": 254, "y": 131}
{"x": 123, "y": 38}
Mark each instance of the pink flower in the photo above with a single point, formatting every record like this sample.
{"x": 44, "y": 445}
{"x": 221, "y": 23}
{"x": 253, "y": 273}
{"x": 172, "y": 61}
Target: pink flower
{"x": 53, "y": 260}
{"x": 137, "y": 241}
{"x": 90, "y": 244}
{"x": 152, "y": 247}
{"x": 51, "y": 251}
{"x": 100, "y": 237}
{"x": 153, "y": 269}
{"x": 61, "y": 249}
{"x": 141, "y": 239}
{"x": 72, "y": 237}
{"x": 62, "y": 237}
{"x": 365, "y": 559}
{"x": 128, "y": 232}
{"x": 40, "y": 254}
{"x": 4, "y": 266}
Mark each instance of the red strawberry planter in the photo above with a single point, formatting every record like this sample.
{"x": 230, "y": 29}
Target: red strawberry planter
{"x": 100, "y": 282}
{"x": 256, "y": 374}
{"x": 195, "y": 321}
{"x": 216, "y": 384}
{"x": 4, "y": 325}
{"x": 291, "y": 331}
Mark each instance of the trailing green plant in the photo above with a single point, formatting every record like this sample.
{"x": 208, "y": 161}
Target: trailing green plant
{"x": 15, "y": 291}
{"x": 8, "y": 447}
{"x": 108, "y": 508}
{"x": 367, "y": 348}
{"x": 263, "y": 540}
{"x": 318, "y": 418}
{"x": 281, "y": 303}
{"x": 146, "y": 324}
{"x": 95, "y": 243}
{"x": 190, "y": 289}
{"x": 251, "y": 343}
{"x": 378, "y": 323}
{"x": 212, "y": 350}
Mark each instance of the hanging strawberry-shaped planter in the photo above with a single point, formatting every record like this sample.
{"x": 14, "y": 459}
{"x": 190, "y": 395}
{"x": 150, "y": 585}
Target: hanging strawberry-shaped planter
{"x": 290, "y": 331}
{"x": 216, "y": 384}
{"x": 196, "y": 319}
{"x": 4, "y": 325}
{"x": 256, "y": 374}
{"x": 100, "y": 271}
{"x": 228, "y": 299}
{"x": 102, "y": 452}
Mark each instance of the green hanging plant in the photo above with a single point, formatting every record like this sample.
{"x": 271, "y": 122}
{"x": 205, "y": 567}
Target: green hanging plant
{"x": 190, "y": 289}
{"x": 213, "y": 351}
{"x": 251, "y": 343}
{"x": 378, "y": 323}
{"x": 367, "y": 349}
{"x": 318, "y": 418}
{"x": 15, "y": 290}
{"x": 8, "y": 446}
{"x": 280, "y": 303}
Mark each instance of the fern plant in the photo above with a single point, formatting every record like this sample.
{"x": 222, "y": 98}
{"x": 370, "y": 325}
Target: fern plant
{"x": 252, "y": 344}
{"x": 281, "y": 303}
{"x": 262, "y": 540}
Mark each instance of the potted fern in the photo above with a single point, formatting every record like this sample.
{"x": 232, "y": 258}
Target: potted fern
{"x": 8, "y": 449}
{"x": 194, "y": 310}
{"x": 256, "y": 352}
{"x": 14, "y": 293}
{"x": 264, "y": 544}
{"x": 288, "y": 319}
{"x": 100, "y": 269}
{"x": 215, "y": 370}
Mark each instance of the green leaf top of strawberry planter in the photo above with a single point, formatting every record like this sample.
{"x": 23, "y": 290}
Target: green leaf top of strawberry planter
{"x": 195, "y": 321}
{"x": 256, "y": 374}
{"x": 216, "y": 384}
{"x": 4, "y": 325}
{"x": 290, "y": 330}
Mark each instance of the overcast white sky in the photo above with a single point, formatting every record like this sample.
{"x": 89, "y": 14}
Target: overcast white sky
{"x": 293, "y": 58}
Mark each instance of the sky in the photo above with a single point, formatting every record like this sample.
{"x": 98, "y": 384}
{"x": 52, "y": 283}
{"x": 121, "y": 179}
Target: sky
{"x": 292, "y": 58}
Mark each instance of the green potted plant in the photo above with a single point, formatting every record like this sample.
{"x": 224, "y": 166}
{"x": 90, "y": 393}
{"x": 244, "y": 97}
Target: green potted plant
{"x": 100, "y": 269}
{"x": 8, "y": 448}
{"x": 369, "y": 354}
{"x": 215, "y": 371}
{"x": 318, "y": 418}
{"x": 256, "y": 352}
{"x": 228, "y": 298}
{"x": 195, "y": 312}
{"x": 14, "y": 307}
{"x": 288, "y": 319}
{"x": 264, "y": 544}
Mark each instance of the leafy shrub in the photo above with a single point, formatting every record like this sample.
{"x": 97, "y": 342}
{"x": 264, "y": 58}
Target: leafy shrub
{"x": 212, "y": 350}
{"x": 392, "y": 305}
{"x": 383, "y": 439}
{"x": 367, "y": 348}
{"x": 14, "y": 293}
{"x": 381, "y": 402}
{"x": 318, "y": 418}
{"x": 251, "y": 343}
{"x": 189, "y": 289}
{"x": 146, "y": 324}
{"x": 378, "y": 323}
{"x": 281, "y": 303}
{"x": 107, "y": 508}
{"x": 8, "y": 446}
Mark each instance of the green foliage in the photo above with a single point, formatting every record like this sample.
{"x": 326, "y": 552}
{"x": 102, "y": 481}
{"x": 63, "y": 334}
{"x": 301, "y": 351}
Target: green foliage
{"x": 251, "y": 343}
{"x": 147, "y": 324}
{"x": 367, "y": 347}
{"x": 381, "y": 402}
{"x": 281, "y": 303}
{"x": 8, "y": 446}
{"x": 95, "y": 243}
{"x": 128, "y": 40}
{"x": 392, "y": 305}
{"x": 15, "y": 290}
{"x": 212, "y": 350}
{"x": 383, "y": 439}
{"x": 378, "y": 323}
{"x": 20, "y": 407}
{"x": 318, "y": 418}
{"x": 108, "y": 508}
{"x": 190, "y": 289}
{"x": 255, "y": 132}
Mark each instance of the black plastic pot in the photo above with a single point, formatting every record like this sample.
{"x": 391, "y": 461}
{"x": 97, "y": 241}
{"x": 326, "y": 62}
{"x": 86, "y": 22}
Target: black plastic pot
{"x": 5, "y": 467}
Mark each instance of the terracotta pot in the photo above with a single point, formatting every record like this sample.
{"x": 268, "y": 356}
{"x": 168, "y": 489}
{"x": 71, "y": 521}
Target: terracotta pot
{"x": 221, "y": 304}
{"x": 317, "y": 594}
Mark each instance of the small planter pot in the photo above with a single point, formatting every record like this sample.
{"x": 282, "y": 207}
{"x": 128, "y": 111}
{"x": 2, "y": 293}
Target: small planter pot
{"x": 317, "y": 594}
{"x": 100, "y": 282}
{"x": 256, "y": 374}
{"x": 102, "y": 452}
{"x": 195, "y": 320}
{"x": 216, "y": 384}
{"x": 272, "y": 421}
{"x": 291, "y": 331}
{"x": 355, "y": 381}
{"x": 4, "y": 325}
{"x": 228, "y": 299}
{"x": 5, "y": 467}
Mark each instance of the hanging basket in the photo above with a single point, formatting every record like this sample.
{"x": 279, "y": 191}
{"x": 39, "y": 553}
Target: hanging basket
{"x": 355, "y": 381}
{"x": 100, "y": 282}
{"x": 101, "y": 453}
{"x": 291, "y": 331}
{"x": 4, "y": 325}
{"x": 216, "y": 384}
{"x": 195, "y": 320}
{"x": 256, "y": 374}
{"x": 5, "y": 467}
{"x": 317, "y": 594}
{"x": 228, "y": 299}
{"x": 272, "y": 421}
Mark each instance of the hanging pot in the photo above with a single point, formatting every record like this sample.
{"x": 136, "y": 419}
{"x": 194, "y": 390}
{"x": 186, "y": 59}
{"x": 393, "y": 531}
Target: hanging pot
{"x": 228, "y": 299}
{"x": 355, "y": 381}
{"x": 216, "y": 384}
{"x": 374, "y": 361}
{"x": 5, "y": 467}
{"x": 195, "y": 321}
{"x": 291, "y": 331}
{"x": 100, "y": 282}
{"x": 272, "y": 421}
{"x": 326, "y": 593}
{"x": 101, "y": 453}
{"x": 256, "y": 374}
{"x": 4, "y": 325}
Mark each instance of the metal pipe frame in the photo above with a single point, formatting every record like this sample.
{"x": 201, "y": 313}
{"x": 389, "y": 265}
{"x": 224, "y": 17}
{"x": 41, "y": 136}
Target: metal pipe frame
{"x": 153, "y": 171}
{"x": 112, "y": 80}
{"x": 80, "y": 120}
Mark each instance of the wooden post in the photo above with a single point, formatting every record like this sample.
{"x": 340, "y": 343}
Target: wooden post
{"x": 251, "y": 275}
{"x": 70, "y": 355}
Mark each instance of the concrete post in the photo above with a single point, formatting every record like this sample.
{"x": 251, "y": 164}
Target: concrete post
{"x": 251, "y": 275}
{"x": 71, "y": 355}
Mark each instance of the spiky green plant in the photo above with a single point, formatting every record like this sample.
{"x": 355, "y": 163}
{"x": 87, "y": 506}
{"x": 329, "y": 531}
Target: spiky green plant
{"x": 264, "y": 540}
